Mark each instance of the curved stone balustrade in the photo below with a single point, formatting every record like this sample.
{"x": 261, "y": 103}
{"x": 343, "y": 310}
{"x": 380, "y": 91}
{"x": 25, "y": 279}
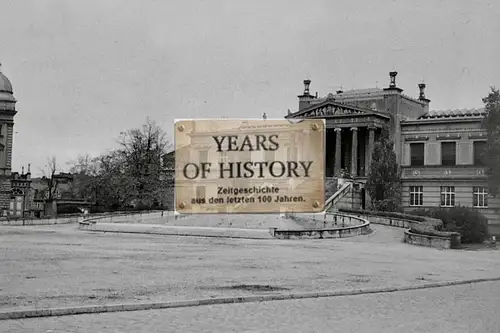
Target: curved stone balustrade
{"x": 351, "y": 226}
{"x": 437, "y": 242}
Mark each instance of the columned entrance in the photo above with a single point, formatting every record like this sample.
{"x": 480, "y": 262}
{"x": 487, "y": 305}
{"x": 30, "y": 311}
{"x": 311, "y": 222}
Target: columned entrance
{"x": 349, "y": 149}
{"x": 351, "y": 133}
{"x": 350, "y": 136}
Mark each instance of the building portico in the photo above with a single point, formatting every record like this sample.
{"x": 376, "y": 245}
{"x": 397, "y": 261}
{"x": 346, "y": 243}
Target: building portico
{"x": 349, "y": 150}
{"x": 350, "y": 136}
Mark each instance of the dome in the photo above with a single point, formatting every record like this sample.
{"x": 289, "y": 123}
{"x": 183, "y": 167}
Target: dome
{"x": 5, "y": 85}
{"x": 7, "y": 100}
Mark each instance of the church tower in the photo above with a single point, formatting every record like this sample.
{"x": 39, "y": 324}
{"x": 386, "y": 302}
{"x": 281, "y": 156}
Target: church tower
{"x": 7, "y": 113}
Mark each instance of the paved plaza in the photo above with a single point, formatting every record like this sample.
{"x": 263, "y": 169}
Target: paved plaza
{"x": 57, "y": 266}
{"x": 457, "y": 309}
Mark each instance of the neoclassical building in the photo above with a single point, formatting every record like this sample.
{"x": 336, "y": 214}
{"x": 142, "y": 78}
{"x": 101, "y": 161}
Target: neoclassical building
{"x": 7, "y": 113}
{"x": 439, "y": 151}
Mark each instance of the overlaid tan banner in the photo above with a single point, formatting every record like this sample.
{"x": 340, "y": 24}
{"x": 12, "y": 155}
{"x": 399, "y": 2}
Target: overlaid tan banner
{"x": 249, "y": 166}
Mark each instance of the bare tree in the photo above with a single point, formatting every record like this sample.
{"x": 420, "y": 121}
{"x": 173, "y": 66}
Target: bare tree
{"x": 84, "y": 164}
{"x": 85, "y": 172}
{"x": 48, "y": 176}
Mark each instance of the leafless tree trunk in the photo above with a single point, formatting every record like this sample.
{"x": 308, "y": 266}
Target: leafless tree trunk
{"x": 48, "y": 175}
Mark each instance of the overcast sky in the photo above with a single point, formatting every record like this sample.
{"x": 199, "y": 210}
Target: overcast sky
{"x": 83, "y": 71}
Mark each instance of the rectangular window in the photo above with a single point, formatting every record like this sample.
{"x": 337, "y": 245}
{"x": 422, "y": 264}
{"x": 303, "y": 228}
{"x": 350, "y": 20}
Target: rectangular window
{"x": 292, "y": 153}
{"x": 447, "y": 196}
{"x": 200, "y": 191}
{"x": 203, "y": 156}
{"x": 223, "y": 157}
{"x": 479, "y": 196}
{"x": 416, "y": 195}
{"x": 417, "y": 152}
{"x": 269, "y": 155}
{"x": 479, "y": 147}
{"x": 449, "y": 153}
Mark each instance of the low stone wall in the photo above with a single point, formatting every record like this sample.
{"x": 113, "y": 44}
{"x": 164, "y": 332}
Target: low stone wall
{"x": 361, "y": 227}
{"x": 431, "y": 241}
{"x": 136, "y": 217}
{"x": 397, "y": 222}
{"x": 390, "y": 221}
{"x": 452, "y": 241}
{"x": 60, "y": 220}
{"x": 325, "y": 220}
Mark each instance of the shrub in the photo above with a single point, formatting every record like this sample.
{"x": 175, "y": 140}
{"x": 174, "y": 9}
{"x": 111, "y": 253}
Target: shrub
{"x": 470, "y": 223}
{"x": 428, "y": 230}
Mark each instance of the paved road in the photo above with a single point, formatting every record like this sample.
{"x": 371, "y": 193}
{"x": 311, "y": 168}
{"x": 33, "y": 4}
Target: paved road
{"x": 57, "y": 266}
{"x": 468, "y": 308}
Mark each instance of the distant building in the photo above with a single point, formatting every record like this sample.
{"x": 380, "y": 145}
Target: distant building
{"x": 62, "y": 198}
{"x": 7, "y": 113}
{"x": 439, "y": 151}
{"x": 23, "y": 196}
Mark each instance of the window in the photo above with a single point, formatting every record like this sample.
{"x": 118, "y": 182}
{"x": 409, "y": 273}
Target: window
{"x": 447, "y": 196}
{"x": 292, "y": 153}
{"x": 448, "y": 153}
{"x": 416, "y": 195}
{"x": 269, "y": 155}
{"x": 200, "y": 191}
{"x": 203, "y": 156}
{"x": 417, "y": 154}
{"x": 479, "y": 147}
{"x": 223, "y": 157}
{"x": 479, "y": 196}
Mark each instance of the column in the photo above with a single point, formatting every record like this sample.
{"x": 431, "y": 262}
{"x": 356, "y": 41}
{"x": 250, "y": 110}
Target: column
{"x": 338, "y": 147}
{"x": 354, "y": 152}
{"x": 371, "y": 145}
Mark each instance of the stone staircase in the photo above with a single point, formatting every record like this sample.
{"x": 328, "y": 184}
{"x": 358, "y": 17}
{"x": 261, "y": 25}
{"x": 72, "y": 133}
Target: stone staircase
{"x": 342, "y": 198}
{"x": 337, "y": 192}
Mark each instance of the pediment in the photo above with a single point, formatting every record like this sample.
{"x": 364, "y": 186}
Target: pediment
{"x": 330, "y": 108}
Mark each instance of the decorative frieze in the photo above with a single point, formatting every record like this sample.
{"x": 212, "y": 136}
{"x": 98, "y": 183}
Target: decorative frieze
{"x": 448, "y": 136}
{"x": 331, "y": 110}
{"x": 439, "y": 172}
{"x": 407, "y": 131}
{"x": 477, "y": 136}
{"x": 417, "y": 138}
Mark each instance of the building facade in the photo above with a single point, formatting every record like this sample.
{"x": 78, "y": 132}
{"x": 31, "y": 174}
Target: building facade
{"x": 22, "y": 195}
{"x": 439, "y": 151}
{"x": 7, "y": 113}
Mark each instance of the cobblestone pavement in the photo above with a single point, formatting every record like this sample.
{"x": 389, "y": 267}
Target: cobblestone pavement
{"x": 457, "y": 309}
{"x": 56, "y": 266}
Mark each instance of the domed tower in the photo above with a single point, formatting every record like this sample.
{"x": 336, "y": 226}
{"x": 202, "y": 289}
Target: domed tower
{"x": 7, "y": 113}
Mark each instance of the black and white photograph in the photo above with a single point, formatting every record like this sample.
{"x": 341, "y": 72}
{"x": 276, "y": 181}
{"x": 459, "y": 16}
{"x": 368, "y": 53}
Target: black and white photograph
{"x": 249, "y": 166}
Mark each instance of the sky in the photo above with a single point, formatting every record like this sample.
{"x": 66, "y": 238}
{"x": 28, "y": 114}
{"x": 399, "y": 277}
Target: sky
{"x": 84, "y": 71}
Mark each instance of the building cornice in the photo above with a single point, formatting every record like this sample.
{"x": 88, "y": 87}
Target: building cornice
{"x": 432, "y": 121}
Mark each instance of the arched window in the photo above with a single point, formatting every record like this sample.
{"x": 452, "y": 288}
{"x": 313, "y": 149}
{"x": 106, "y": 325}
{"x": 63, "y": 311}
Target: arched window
{"x": 16, "y": 191}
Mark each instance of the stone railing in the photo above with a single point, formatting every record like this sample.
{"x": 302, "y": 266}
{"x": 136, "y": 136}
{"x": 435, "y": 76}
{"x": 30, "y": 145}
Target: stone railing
{"x": 43, "y": 221}
{"x": 390, "y": 221}
{"x": 419, "y": 233}
{"x": 439, "y": 242}
{"x": 333, "y": 225}
{"x": 334, "y": 199}
{"x": 133, "y": 217}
